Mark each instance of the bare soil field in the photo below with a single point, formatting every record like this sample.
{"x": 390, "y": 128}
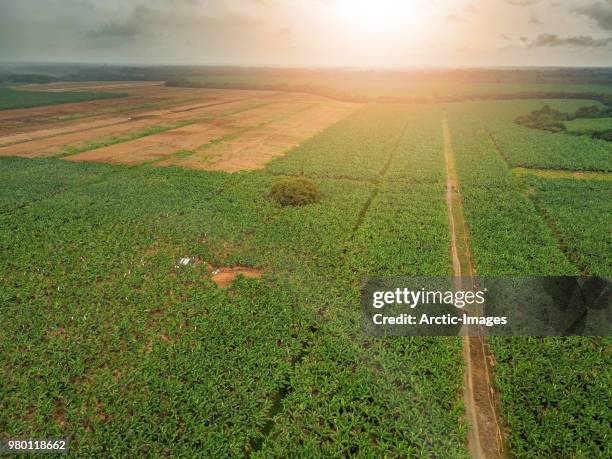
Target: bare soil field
{"x": 45, "y": 142}
{"x": 228, "y": 130}
{"x": 141, "y": 99}
{"x": 259, "y": 144}
{"x": 153, "y": 147}
{"x": 196, "y": 135}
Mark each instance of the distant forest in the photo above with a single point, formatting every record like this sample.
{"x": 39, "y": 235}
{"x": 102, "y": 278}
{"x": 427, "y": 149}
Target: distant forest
{"x": 354, "y": 85}
{"x": 44, "y": 73}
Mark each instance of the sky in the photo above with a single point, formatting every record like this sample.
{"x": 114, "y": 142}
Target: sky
{"x": 312, "y": 33}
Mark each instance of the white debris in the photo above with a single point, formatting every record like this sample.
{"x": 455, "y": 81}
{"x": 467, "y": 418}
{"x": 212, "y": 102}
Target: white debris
{"x": 185, "y": 261}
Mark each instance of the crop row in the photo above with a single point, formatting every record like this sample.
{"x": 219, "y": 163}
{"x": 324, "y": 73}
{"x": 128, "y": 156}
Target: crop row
{"x": 400, "y": 142}
{"x": 508, "y": 236}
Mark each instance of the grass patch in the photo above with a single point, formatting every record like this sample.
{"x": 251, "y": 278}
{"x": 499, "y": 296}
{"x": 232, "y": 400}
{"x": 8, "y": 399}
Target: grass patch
{"x": 592, "y": 124}
{"x": 12, "y": 98}
{"x": 563, "y": 174}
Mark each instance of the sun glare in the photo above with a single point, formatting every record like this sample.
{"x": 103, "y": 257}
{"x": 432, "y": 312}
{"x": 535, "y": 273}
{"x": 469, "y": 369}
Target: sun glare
{"x": 376, "y": 19}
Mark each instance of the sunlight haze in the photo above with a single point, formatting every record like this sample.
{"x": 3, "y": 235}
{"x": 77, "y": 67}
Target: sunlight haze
{"x": 360, "y": 33}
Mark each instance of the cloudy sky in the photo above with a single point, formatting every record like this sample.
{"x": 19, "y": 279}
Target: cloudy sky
{"x": 363, "y": 33}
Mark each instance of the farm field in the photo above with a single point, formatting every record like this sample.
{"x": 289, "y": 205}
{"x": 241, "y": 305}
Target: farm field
{"x": 539, "y": 226}
{"x": 215, "y": 129}
{"x": 381, "y": 84}
{"x": 12, "y": 98}
{"x": 524, "y": 147}
{"x": 595, "y": 124}
{"x": 111, "y": 340}
{"x": 582, "y": 224}
{"x": 116, "y": 337}
{"x": 150, "y": 98}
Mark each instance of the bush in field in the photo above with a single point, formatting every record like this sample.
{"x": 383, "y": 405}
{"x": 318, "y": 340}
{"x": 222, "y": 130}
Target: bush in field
{"x": 546, "y": 119}
{"x": 603, "y": 135}
{"x": 592, "y": 111}
{"x": 549, "y": 119}
{"x": 295, "y": 192}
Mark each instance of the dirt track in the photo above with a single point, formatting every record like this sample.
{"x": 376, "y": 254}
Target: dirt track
{"x": 485, "y": 438}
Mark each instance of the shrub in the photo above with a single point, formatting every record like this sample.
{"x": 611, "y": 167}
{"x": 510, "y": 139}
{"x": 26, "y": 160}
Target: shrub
{"x": 295, "y": 192}
{"x": 545, "y": 119}
{"x": 603, "y": 135}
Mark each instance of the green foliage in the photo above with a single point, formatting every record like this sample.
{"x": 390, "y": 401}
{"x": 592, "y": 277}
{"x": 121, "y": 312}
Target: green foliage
{"x": 508, "y": 236}
{"x": 525, "y": 147}
{"x": 592, "y": 111}
{"x": 581, "y": 212}
{"x": 399, "y": 142}
{"x": 12, "y": 98}
{"x": 294, "y": 191}
{"x": 551, "y": 389}
{"x": 588, "y": 125}
{"x": 545, "y": 119}
{"x": 554, "y": 393}
{"x": 108, "y": 341}
{"x": 603, "y": 135}
{"x": 357, "y": 147}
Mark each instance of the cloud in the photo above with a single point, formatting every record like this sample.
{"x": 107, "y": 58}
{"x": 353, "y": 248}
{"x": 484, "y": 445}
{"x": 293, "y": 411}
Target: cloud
{"x": 549, "y": 40}
{"x": 523, "y": 2}
{"x": 263, "y": 2}
{"x": 600, "y": 13}
{"x": 284, "y": 32}
{"x": 534, "y": 20}
{"x": 179, "y": 17}
{"x": 122, "y": 31}
{"x": 454, "y": 18}
{"x": 260, "y": 32}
